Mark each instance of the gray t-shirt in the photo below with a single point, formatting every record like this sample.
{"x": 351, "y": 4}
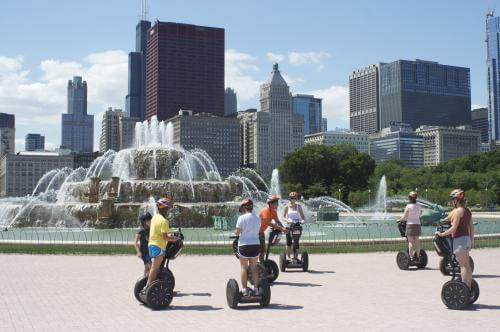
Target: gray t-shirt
{"x": 249, "y": 225}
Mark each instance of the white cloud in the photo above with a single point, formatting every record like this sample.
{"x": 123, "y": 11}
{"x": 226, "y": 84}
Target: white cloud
{"x": 473, "y": 107}
{"x": 240, "y": 71}
{"x": 39, "y": 102}
{"x": 303, "y": 58}
{"x": 335, "y": 105}
{"x": 293, "y": 82}
{"x": 275, "y": 57}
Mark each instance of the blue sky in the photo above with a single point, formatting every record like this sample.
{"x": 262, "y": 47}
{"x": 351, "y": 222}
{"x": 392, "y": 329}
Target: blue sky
{"x": 318, "y": 43}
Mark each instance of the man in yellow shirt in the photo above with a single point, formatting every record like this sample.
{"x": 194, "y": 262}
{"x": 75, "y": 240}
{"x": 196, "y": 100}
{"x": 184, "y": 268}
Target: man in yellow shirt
{"x": 159, "y": 236}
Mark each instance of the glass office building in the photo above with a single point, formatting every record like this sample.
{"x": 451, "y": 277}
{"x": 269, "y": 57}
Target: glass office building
{"x": 493, "y": 54}
{"x": 404, "y": 146}
{"x": 310, "y": 108}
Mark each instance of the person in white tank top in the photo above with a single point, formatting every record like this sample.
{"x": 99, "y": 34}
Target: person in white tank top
{"x": 411, "y": 217}
{"x": 292, "y": 214}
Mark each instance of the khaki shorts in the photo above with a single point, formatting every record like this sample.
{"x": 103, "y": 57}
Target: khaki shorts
{"x": 413, "y": 230}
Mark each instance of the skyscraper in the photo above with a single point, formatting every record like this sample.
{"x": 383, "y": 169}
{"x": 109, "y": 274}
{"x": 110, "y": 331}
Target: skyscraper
{"x": 267, "y": 136}
{"x": 492, "y": 59}
{"x": 34, "y": 142}
{"x": 110, "y": 130}
{"x": 135, "y": 101}
{"x": 7, "y": 134}
{"x": 479, "y": 121}
{"x": 424, "y": 93}
{"x": 77, "y": 125}
{"x": 230, "y": 102}
{"x": 310, "y": 108}
{"x": 364, "y": 108}
{"x": 184, "y": 70}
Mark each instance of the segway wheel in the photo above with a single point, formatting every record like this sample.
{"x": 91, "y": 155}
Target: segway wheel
{"x": 444, "y": 266}
{"x": 471, "y": 263}
{"x": 232, "y": 294}
{"x": 423, "y": 259}
{"x": 261, "y": 269}
{"x": 265, "y": 290}
{"x": 455, "y": 295}
{"x": 273, "y": 270}
{"x": 305, "y": 261}
{"x": 474, "y": 291}
{"x": 403, "y": 260}
{"x": 283, "y": 262}
{"x": 168, "y": 276}
{"x": 159, "y": 294}
{"x": 138, "y": 287}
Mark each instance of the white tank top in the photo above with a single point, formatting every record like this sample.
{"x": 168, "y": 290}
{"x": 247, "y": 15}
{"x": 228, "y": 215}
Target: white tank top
{"x": 293, "y": 215}
{"x": 414, "y": 211}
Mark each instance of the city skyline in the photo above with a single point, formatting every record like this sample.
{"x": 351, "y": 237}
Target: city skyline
{"x": 316, "y": 59}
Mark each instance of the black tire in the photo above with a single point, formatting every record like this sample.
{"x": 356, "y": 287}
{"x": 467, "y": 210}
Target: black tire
{"x": 283, "y": 262}
{"x": 471, "y": 263}
{"x": 272, "y": 269}
{"x": 474, "y": 291}
{"x": 261, "y": 270}
{"x": 265, "y": 290}
{"x": 168, "y": 276}
{"x": 403, "y": 260}
{"x": 159, "y": 294}
{"x": 139, "y": 286}
{"x": 455, "y": 295}
{"x": 305, "y": 261}
{"x": 232, "y": 294}
{"x": 424, "y": 260}
{"x": 444, "y": 266}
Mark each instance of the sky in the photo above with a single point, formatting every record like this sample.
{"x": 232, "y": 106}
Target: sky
{"x": 317, "y": 44}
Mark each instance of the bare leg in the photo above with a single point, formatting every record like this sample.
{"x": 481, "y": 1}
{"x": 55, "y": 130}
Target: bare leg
{"x": 147, "y": 267}
{"x": 411, "y": 245}
{"x": 243, "y": 268}
{"x": 155, "y": 267}
{"x": 417, "y": 246}
{"x": 465, "y": 269}
{"x": 289, "y": 251}
{"x": 255, "y": 273}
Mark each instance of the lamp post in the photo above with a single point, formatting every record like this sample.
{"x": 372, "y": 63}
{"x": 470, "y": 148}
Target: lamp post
{"x": 486, "y": 204}
{"x": 369, "y": 197}
{"x": 339, "y": 194}
{"x": 426, "y": 197}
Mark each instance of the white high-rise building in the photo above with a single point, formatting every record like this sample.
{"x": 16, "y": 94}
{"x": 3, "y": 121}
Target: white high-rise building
{"x": 267, "y": 136}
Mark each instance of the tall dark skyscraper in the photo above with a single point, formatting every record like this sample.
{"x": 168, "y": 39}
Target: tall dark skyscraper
{"x": 34, "y": 142}
{"x": 77, "y": 125}
{"x": 424, "y": 93}
{"x": 230, "y": 102}
{"x": 492, "y": 62}
{"x": 184, "y": 70}
{"x": 135, "y": 103}
{"x": 479, "y": 121}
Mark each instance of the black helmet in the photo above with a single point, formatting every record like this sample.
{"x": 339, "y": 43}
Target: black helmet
{"x": 146, "y": 216}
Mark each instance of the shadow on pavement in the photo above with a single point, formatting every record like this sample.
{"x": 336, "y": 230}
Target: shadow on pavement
{"x": 296, "y": 284}
{"x": 191, "y": 294}
{"x": 319, "y": 272}
{"x": 486, "y": 276}
{"x": 274, "y": 306}
{"x": 477, "y": 307}
{"x": 193, "y": 307}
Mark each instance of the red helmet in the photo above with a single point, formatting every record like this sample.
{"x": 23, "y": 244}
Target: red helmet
{"x": 272, "y": 199}
{"x": 164, "y": 202}
{"x": 293, "y": 195}
{"x": 247, "y": 202}
{"x": 413, "y": 194}
{"x": 457, "y": 193}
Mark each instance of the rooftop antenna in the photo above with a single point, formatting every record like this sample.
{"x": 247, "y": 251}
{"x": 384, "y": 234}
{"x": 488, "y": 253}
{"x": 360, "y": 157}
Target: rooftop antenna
{"x": 144, "y": 10}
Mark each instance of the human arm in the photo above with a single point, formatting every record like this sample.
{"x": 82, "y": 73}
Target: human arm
{"x": 404, "y": 217}
{"x": 302, "y": 220}
{"x": 237, "y": 231}
{"x": 166, "y": 234}
{"x": 455, "y": 220}
{"x": 471, "y": 233}
{"x": 136, "y": 244}
{"x": 285, "y": 213}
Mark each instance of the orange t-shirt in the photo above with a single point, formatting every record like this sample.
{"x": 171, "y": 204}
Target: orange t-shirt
{"x": 266, "y": 215}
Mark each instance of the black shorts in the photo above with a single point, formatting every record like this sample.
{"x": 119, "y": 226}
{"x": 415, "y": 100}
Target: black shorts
{"x": 249, "y": 251}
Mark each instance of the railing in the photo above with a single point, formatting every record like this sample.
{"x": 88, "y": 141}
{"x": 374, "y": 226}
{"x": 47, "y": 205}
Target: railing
{"x": 318, "y": 234}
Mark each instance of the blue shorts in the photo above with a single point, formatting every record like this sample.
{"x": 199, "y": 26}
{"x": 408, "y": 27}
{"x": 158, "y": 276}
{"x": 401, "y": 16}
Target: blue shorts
{"x": 155, "y": 251}
{"x": 146, "y": 259}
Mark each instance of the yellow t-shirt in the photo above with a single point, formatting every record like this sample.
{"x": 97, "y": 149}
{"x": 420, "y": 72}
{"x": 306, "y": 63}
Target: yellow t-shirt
{"x": 158, "y": 226}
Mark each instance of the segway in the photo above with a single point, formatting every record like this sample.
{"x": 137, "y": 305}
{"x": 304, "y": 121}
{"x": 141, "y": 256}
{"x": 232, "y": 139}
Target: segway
{"x": 160, "y": 292}
{"x": 444, "y": 263}
{"x": 234, "y": 296}
{"x": 404, "y": 260}
{"x": 268, "y": 269}
{"x": 295, "y": 262}
{"x": 455, "y": 294}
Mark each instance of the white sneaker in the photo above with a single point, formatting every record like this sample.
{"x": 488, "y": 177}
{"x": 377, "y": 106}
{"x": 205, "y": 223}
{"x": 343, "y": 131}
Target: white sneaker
{"x": 246, "y": 291}
{"x": 256, "y": 291}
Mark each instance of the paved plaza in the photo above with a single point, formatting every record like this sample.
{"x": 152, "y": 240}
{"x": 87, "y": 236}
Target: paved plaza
{"x": 342, "y": 292}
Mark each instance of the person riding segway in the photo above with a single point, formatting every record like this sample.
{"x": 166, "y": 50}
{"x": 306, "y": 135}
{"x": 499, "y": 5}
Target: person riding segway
{"x": 247, "y": 250}
{"x": 269, "y": 218}
{"x": 409, "y": 227}
{"x": 156, "y": 290}
{"x": 462, "y": 291}
{"x": 294, "y": 217}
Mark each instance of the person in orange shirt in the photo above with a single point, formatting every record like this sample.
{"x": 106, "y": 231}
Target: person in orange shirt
{"x": 269, "y": 218}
